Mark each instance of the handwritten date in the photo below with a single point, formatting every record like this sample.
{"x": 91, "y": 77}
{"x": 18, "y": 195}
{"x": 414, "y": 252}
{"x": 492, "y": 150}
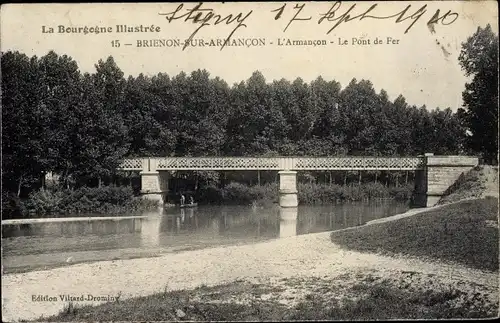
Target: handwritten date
{"x": 336, "y": 15}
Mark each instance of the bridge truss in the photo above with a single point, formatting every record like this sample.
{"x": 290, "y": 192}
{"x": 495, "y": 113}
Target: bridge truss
{"x": 272, "y": 163}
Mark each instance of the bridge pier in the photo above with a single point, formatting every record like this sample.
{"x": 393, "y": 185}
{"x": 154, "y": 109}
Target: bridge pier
{"x": 288, "y": 189}
{"x": 154, "y": 186}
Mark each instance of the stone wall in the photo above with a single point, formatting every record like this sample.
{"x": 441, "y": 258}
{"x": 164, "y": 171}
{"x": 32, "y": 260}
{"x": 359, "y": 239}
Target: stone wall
{"x": 443, "y": 171}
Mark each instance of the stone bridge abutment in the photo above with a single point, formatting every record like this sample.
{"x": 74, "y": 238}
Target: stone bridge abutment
{"x": 441, "y": 172}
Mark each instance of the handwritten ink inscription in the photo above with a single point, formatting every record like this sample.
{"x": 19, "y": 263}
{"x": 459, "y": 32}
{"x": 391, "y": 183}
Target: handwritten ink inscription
{"x": 336, "y": 15}
{"x": 406, "y": 14}
{"x": 207, "y": 17}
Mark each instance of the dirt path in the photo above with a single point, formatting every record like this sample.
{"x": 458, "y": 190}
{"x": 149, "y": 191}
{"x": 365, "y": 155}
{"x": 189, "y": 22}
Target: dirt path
{"x": 302, "y": 256}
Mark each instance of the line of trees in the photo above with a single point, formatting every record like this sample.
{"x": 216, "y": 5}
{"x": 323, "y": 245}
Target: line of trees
{"x": 479, "y": 60}
{"x": 80, "y": 125}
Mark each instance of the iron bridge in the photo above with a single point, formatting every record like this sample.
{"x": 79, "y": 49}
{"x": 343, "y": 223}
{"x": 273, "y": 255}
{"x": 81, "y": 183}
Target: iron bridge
{"x": 272, "y": 163}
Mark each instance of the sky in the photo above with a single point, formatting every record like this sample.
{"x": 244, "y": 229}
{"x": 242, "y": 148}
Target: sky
{"x": 422, "y": 64}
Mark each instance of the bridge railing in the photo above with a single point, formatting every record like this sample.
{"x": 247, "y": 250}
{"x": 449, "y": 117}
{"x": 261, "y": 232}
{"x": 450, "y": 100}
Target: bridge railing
{"x": 132, "y": 164}
{"x": 359, "y": 163}
{"x": 219, "y": 163}
{"x": 273, "y": 163}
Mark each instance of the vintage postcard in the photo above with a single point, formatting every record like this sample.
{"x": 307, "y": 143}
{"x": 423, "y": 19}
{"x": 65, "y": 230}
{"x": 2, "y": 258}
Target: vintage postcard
{"x": 249, "y": 161}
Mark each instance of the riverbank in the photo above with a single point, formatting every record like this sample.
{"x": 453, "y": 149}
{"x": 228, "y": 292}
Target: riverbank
{"x": 69, "y": 219}
{"x": 306, "y": 257}
{"x": 65, "y": 203}
{"x": 465, "y": 232}
{"x": 308, "y": 193}
{"x": 482, "y": 181}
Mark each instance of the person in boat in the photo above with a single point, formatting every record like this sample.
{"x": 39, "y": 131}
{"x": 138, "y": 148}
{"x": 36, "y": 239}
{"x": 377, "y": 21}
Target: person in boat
{"x": 191, "y": 200}
{"x": 183, "y": 199}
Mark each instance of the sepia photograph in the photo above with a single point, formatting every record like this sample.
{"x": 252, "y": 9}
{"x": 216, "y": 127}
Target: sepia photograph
{"x": 249, "y": 161}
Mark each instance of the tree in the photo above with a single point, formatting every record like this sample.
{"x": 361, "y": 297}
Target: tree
{"x": 424, "y": 131}
{"x": 98, "y": 138}
{"x": 58, "y": 80}
{"x": 147, "y": 117}
{"x": 203, "y": 114}
{"x": 23, "y": 120}
{"x": 449, "y": 133}
{"x": 326, "y": 95}
{"x": 479, "y": 60}
{"x": 357, "y": 108}
{"x": 282, "y": 103}
{"x": 99, "y": 134}
{"x": 256, "y": 125}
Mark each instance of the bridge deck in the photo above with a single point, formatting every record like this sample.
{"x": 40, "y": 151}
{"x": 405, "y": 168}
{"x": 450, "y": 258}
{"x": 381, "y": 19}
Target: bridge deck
{"x": 273, "y": 163}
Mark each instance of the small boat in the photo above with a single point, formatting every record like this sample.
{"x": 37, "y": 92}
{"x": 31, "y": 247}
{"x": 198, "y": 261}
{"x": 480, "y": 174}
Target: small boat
{"x": 189, "y": 205}
{"x": 169, "y": 205}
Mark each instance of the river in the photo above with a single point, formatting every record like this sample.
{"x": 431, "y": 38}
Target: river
{"x": 37, "y": 246}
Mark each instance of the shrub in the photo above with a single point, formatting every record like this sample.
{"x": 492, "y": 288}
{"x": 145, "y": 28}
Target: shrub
{"x": 402, "y": 193}
{"x": 375, "y": 190}
{"x": 310, "y": 193}
{"x": 306, "y": 194}
{"x": 12, "y": 206}
{"x": 351, "y": 193}
{"x": 44, "y": 201}
{"x": 102, "y": 200}
{"x": 211, "y": 195}
{"x": 266, "y": 192}
{"x": 237, "y": 192}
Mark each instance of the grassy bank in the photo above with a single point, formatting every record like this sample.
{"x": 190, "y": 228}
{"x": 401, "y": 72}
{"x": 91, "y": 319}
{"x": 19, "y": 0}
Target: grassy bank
{"x": 359, "y": 296}
{"x": 479, "y": 181}
{"x": 329, "y": 194}
{"x": 465, "y": 232}
{"x": 308, "y": 193}
{"x": 59, "y": 202}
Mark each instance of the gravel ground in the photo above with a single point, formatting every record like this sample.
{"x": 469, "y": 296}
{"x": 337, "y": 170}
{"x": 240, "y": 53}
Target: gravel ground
{"x": 306, "y": 256}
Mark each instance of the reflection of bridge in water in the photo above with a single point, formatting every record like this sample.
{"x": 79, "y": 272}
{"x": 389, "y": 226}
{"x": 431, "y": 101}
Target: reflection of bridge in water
{"x": 282, "y": 222}
{"x": 433, "y": 174}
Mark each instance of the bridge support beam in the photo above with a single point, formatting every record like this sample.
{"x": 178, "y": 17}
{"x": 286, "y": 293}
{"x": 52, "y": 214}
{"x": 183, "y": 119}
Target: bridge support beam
{"x": 288, "y": 189}
{"x": 154, "y": 186}
{"x": 441, "y": 172}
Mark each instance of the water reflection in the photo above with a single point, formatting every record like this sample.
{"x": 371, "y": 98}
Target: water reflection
{"x": 73, "y": 228}
{"x": 177, "y": 223}
{"x": 215, "y": 225}
{"x": 151, "y": 229}
{"x": 202, "y": 226}
{"x": 288, "y": 222}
